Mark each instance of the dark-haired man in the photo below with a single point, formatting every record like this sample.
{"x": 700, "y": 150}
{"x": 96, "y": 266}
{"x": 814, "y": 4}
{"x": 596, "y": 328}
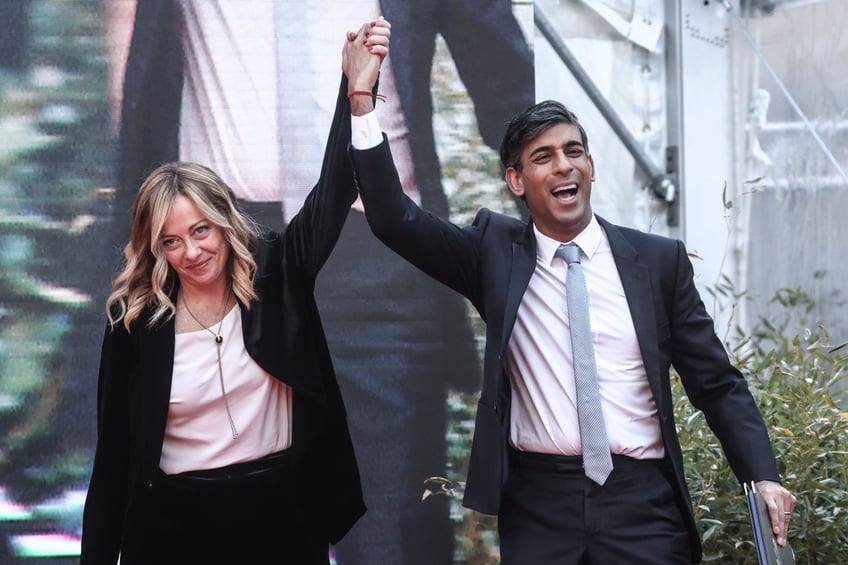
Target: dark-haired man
{"x": 565, "y": 493}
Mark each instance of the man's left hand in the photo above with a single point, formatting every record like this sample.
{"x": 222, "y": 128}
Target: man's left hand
{"x": 780, "y": 503}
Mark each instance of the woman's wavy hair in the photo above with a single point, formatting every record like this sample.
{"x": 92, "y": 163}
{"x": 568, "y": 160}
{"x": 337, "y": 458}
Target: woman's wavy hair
{"x": 147, "y": 279}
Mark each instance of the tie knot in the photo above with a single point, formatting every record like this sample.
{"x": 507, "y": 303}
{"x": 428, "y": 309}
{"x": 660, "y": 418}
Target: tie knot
{"x": 569, "y": 252}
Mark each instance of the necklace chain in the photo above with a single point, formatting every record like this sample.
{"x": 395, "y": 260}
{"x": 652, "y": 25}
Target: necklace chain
{"x": 219, "y": 340}
{"x": 218, "y": 337}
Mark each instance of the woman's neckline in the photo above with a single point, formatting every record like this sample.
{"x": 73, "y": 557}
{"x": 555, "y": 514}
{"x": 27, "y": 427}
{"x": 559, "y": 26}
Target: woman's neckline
{"x": 205, "y": 330}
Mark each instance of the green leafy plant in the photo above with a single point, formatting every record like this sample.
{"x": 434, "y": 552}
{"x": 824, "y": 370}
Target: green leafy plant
{"x": 795, "y": 379}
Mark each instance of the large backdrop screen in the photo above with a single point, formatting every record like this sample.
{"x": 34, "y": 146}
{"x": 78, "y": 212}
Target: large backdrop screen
{"x": 95, "y": 93}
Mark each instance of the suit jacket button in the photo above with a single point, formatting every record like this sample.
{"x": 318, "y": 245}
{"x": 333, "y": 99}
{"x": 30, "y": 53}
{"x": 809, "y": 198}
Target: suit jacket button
{"x": 149, "y": 485}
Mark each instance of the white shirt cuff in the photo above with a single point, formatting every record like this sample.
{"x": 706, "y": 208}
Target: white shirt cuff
{"x": 365, "y": 131}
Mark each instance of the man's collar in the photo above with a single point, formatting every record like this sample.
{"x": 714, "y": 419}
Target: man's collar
{"x": 587, "y": 240}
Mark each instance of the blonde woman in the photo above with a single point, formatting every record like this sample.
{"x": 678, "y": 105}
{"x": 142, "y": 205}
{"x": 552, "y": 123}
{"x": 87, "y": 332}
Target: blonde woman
{"x": 222, "y": 435}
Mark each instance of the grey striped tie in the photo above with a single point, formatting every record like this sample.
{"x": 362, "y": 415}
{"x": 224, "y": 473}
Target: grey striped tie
{"x": 597, "y": 461}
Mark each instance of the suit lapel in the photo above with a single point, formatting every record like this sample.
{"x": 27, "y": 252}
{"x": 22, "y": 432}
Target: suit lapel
{"x": 522, "y": 267}
{"x": 640, "y": 299}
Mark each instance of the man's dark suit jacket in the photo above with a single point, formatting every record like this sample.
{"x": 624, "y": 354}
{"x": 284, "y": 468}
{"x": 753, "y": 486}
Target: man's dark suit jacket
{"x": 491, "y": 263}
{"x": 282, "y": 333}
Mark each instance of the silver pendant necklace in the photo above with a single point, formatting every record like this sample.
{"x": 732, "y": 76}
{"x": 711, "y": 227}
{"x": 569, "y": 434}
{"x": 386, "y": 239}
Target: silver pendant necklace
{"x": 219, "y": 340}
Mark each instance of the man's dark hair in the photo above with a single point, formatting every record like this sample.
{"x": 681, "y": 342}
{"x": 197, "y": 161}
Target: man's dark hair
{"x": 530, "y": 124}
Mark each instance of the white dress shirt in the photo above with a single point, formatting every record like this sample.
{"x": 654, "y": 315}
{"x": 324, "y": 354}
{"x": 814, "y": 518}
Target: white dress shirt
{"x": 539, "y": 358}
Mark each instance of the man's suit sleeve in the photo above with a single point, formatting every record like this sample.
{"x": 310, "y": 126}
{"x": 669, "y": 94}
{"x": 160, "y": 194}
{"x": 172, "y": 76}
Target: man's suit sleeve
{"x": 441, "y": 249}
{"x": 713, "y": 384}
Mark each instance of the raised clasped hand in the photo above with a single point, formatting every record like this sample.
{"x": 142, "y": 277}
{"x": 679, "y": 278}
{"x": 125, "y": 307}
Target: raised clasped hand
{"x": 363, "y": 53}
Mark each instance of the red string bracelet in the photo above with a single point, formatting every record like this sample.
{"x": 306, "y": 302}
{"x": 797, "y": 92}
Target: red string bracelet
{"x": 379, "y": 97}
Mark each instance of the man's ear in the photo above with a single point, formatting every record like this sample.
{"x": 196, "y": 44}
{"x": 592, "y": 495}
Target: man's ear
{"x": 514, "y": 182}
{"x": 591, "y": 168}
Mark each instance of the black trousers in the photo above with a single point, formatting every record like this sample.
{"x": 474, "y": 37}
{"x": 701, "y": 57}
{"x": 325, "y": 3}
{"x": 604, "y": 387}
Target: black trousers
{"x": 551, "y": 514}
{"x": 239, "y": 514}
